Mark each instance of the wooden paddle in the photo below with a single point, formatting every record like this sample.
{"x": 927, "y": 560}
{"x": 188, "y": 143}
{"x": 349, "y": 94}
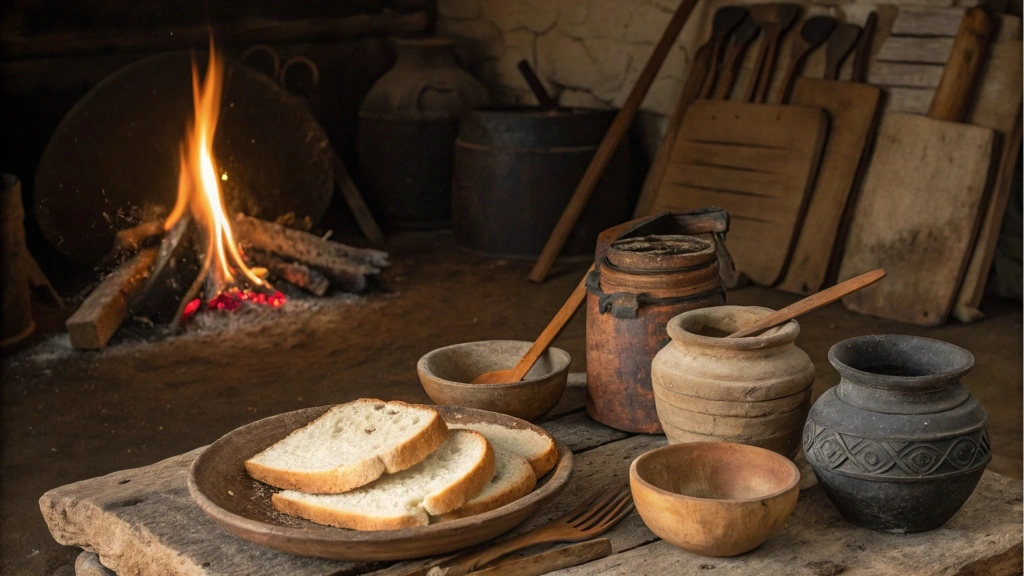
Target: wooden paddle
{"x": 741, "y": 39}
{"x": 548, "y": 336}
{"x": 839, "y": 45}
{"x": 620, "y": 125}
{"x": 813, "y": 302}
{"x": 722, "y": 24}
{"x": 773, "y": 20}
{"x": 862, "y": 56}
{"x": 814, "y": 31}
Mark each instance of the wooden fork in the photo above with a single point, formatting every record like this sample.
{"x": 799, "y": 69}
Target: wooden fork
{"x": 593, "y": 517}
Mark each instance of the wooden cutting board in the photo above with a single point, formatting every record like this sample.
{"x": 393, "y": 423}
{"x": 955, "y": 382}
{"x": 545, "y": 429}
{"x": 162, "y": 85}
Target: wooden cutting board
{"x": 758, "y": 162}
{"x": 852, "y": 108}
{"x": 916, "y": 216}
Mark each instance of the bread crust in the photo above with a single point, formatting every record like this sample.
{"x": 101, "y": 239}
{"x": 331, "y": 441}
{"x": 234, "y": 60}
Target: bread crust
{"x": 466, "y": 488}
{"x": 523, "y": 485}
{"x": 543, "y": 463}
{"x": 353, "y": 475}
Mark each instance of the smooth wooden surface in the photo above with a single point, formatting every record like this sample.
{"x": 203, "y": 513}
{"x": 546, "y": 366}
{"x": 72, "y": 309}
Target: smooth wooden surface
{"x": 241, "y": 505}
{"x": 840, "y": 43}
{"x": 102, "y": 312}
{"x": 917, "y": 216}
{"x": 741, "y": 39}
{"x": 610, "y": 142}
{"x": 551, "y": 331}
{"x": 143, "y": 521}
{"x": 757, "y": 162}
{"x": 853, "y": 112}
{"x": 773, "y": 20}
{"x": 723, "y": 22}
{"x": 960, "y": 75}
{"x": 812, "y": 33}
{"x": 801, "y": 307}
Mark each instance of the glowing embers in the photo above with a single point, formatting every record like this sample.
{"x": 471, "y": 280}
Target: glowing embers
{"x": 234, "y": 299}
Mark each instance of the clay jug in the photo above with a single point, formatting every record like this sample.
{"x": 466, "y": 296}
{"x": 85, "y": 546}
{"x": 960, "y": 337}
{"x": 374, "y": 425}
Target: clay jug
{"x": 753, "y": 390}
{"x": 407, "y": 127}
{"x": 900, "y": 444}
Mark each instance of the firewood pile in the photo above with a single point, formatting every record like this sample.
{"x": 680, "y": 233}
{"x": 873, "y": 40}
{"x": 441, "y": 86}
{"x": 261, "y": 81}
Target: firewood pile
{"x": 285, "y": 254}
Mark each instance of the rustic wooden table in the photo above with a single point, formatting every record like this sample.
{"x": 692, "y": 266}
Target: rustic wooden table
{"x": 143, "y": 521}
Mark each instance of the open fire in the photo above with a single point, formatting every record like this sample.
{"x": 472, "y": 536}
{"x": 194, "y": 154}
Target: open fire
{"x": 239, "y": 255}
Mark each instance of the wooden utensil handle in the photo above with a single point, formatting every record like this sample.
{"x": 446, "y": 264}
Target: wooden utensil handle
{"x": 554, "y": 328}
{"x": 764, "y": 80}
{"x": 755, "y": 70}
{"x": 620, "y": 125}
{"x": 543, "y": 98}
{"x": 863, "y": 53}
{"x": 953, "y": 96}
{"x": 544, "y": 562}
{"x": 813, "y": 302}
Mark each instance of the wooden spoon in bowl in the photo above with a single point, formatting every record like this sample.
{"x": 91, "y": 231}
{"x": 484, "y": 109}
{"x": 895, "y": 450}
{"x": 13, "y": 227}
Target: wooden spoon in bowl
{"x": 548, "y": 336}
{"x": 812, "y": 302}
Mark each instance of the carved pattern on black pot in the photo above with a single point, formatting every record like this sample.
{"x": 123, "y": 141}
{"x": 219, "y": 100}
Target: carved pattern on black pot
{"x": 860, "y": 457}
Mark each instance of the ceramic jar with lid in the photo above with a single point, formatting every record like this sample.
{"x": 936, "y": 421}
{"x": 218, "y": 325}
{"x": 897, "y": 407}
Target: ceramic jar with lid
{"x": 900, "y": 443}
{"x": 753, "y": 390}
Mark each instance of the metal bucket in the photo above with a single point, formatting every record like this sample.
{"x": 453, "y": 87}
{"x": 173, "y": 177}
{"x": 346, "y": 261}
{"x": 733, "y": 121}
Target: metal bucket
{"x": 515, "y": 170}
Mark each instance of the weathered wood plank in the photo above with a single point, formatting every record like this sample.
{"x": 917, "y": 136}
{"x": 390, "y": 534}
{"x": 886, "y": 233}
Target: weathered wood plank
{"x": 580, "y": 433}
{"x": 143, "y": 521}
{"x": 983, "y": 538}
{"x": 573, "y": 399}
{"x": 913, "y": 49}
{"x": 927, "y": 21}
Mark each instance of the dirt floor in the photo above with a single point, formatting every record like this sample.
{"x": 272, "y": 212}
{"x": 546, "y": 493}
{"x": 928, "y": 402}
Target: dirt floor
{"x": 68, "y": 416}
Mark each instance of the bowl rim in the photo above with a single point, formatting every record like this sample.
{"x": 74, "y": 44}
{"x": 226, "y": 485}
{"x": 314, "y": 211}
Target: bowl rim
{"x": 634, "y": 475}
{"x": 421, "y": 368}
{"x": 776, "y": 336}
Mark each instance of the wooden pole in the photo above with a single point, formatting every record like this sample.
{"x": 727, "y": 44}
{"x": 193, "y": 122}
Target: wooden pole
{"x": 608, "y": 145}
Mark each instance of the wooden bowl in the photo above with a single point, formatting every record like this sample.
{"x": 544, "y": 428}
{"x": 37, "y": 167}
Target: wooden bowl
{"x": 446, "y": 372}
{"x": 714, "y": 498}
{"x": 240, "y": 505}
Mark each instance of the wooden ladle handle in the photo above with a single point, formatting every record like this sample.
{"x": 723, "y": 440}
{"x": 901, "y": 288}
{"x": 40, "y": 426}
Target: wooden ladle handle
{"x": 554, "y": 328}
{"x": 812, "y": 302}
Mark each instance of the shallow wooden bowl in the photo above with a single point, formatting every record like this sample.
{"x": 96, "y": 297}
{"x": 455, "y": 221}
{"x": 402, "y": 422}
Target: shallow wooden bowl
{"x": 240, "y": 505}
{"x": 714, "y": 498}
{"x": 446, "y": 373}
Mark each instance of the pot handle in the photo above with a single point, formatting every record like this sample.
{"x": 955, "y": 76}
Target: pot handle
{"x": 436, "y": 84}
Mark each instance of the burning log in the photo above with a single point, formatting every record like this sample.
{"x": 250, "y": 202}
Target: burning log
{"x": 303, "y": 276}
{"x": 131, "y": 240}
{"x": 92, "y": 325}
{"x": 346, "y": 267}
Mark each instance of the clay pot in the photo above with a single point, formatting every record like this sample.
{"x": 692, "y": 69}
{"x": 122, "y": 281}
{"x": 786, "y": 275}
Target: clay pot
{"x": 714, "y": 498}
{"x": 900, "y": 444}
{"x": 632, "y": 293}
{"x": 446, "y": 372}
{"x": 407, "y": 127}
{"x": 754, "y": 390}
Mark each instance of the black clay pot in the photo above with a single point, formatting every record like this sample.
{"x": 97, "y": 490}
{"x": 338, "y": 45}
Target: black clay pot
{"x": 900, "y": 444}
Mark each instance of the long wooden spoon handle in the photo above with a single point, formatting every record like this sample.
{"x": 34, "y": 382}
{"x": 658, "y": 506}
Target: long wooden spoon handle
{"x": 812, "y": 302}
{"x": 552, "y": 331}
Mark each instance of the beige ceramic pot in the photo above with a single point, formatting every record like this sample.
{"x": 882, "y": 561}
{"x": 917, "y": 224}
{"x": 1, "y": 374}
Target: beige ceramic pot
{"x": 754, "y": 390}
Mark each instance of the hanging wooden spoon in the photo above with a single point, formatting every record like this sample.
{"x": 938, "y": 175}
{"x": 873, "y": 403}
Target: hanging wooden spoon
{"x": 839, "y": 45}
{"x": 773, "y": 20}
{"x": 724, "y": 21}
{"x": 741, "y": 39}
{"x": 814, "y": 31}
{"x": 548, "y": 336}
{"x": 812, "y": 302}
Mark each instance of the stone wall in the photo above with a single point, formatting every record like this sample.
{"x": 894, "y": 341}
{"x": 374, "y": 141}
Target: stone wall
{"x": 587, "y": 52}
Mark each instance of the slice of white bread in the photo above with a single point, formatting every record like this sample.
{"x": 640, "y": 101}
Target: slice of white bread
{"x": 538, "y": 449}
{"x": 349, "y": 446}
{"x": 513, "y": 479}
{"x": 453, "y": 475}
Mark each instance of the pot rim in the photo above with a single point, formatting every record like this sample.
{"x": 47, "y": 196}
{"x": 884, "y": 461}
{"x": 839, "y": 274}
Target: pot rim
{"x": 943, "y": 376}
{"x": 777, "y": 336}
{"x": 635, "y": 475}
{"x": 559, "y": 356}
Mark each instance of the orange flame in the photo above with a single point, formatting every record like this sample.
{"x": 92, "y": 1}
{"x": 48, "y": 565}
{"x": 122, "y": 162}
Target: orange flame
{"x": 198, "y": 184}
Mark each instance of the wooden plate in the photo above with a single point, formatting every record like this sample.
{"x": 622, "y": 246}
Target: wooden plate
{"x": 241, "y": 505}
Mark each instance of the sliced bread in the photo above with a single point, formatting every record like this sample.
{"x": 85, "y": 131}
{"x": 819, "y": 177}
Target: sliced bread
{"x": 513, "y": 479}
{"x": 538, "y": 449}
{"x": 349, "y": 446}
{"x": 451, "y": 476}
